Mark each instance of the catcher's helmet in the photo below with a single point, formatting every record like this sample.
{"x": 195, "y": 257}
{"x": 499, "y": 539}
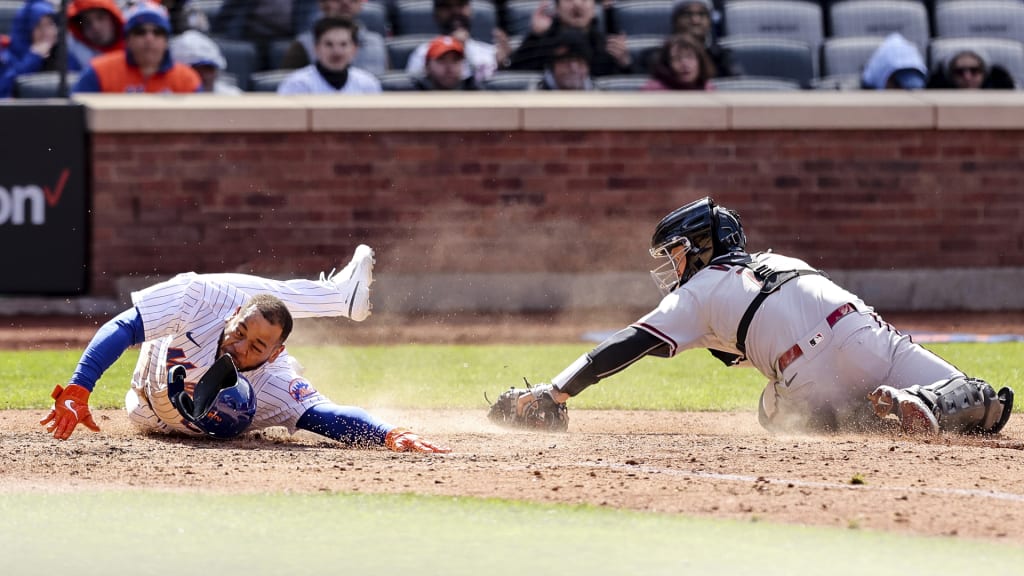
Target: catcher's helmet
{"x": 705, "y": 230}
{"x": 223, "y": 404}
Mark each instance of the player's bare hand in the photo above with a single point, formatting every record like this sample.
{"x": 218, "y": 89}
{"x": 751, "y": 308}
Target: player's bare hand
{"x": 70, "y": 408}
{"x": 404, "y": 440}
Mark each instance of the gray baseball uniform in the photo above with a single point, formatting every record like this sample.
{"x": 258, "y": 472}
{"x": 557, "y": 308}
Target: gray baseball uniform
{"x": 822, "y": 349}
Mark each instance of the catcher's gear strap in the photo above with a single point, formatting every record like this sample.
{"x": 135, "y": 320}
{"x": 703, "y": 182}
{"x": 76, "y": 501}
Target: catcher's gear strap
{"x": 610, "y": 357}
{"x": 771, "y": 281}
{"x": 963, "y": 404}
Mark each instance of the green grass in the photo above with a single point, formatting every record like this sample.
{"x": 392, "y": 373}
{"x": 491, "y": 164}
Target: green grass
{"x": 143, "y": 533}
{"x": 458, "y": 376}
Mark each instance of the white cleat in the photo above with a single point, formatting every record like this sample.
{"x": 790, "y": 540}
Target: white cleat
{"x": 913, "y": 414}
{"x": 354, "y": 281}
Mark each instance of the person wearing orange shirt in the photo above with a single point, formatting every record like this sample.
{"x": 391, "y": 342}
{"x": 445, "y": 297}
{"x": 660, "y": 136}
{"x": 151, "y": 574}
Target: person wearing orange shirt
{"x": 145, "y": 65}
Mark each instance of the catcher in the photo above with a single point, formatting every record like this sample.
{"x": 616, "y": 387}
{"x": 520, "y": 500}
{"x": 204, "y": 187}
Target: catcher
{"x": 832, "y": 363}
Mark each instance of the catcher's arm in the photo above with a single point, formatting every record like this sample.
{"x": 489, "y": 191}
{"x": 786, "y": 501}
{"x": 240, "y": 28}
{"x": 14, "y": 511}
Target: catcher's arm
{"x": 610, "y": 357}
{"x": 543, "y": 406}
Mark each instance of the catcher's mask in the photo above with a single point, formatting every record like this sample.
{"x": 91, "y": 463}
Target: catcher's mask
{"x": 704, "y": 231}
{"x": 223, "y": 404}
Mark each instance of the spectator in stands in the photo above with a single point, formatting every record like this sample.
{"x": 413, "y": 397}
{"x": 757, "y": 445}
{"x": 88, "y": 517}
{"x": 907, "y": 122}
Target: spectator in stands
{"x": 263, "y": 22}
{"x": 693, "y": 17}
{"x": 185, "y": 16}
{"x": 372, "y": 55}
{"x": 145, "y": 65}
{"x": 445, "y": 58}
{"x": 682, "y": 64}
{"x": 34, "y": 36}
{"x": 332, "y": 73}
{"x": 969, "y": 70}
{"x": 97, "y": 27}
{"x": 204, "y": 56}
{"x": 895, "y": 64}
{"x": 609, "y": 55}
{"x": 453, "y": 19}
{"x": 568, "y": 65}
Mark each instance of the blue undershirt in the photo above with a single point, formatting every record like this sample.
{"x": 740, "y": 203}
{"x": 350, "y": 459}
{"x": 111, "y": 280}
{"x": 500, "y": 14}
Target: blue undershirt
{"x": 346, "y": 424}
{"x": 110, "y": 341}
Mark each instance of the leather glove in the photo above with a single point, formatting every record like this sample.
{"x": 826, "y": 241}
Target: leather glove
{"x": 70, "y": 408}
{"x": 404, "y": 440}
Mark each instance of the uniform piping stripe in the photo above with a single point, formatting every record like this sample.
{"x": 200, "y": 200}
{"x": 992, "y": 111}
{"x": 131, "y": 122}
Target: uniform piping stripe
{"x": 658, "y": 334}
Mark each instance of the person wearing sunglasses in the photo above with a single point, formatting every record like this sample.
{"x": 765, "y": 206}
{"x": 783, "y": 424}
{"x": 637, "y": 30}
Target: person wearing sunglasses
{"x": 145, "y": 66}
{"x": 970, "y": 70}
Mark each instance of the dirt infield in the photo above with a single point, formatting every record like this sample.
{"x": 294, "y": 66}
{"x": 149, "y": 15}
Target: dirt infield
{"x": 711, "y": 465}
{"x": 702, "y": 464}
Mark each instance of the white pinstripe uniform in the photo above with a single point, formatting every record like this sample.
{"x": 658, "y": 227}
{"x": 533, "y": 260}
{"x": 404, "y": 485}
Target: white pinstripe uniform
{"x": 835, "y": 354}
{"x": 184, "y": 318}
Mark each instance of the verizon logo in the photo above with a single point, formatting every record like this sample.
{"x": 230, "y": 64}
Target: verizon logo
{"x": 27, "y": 204}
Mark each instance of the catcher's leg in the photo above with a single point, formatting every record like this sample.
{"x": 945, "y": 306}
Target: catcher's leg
{"x": 960, "y": 404}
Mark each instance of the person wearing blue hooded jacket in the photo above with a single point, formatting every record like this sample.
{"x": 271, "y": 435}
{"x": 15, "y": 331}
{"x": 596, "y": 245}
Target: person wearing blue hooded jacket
{"x": 33, "y": 45}
{"x": 895, "y": 64}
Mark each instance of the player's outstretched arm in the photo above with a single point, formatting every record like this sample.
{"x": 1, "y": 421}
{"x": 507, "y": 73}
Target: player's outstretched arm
{"x": 71, "y": 402}
{"x": 543, "y": 406}
{"x": 354, "y": 426}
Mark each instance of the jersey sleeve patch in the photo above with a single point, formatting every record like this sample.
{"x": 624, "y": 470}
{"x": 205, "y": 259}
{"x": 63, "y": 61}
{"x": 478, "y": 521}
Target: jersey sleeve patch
{"x": 300, "y": 389}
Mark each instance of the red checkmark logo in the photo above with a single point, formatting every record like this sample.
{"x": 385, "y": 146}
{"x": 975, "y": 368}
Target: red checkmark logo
{"x": 52, "y": 198}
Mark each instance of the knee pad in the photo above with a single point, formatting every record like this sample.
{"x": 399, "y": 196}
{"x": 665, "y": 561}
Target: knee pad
{"x": 967, "y": 405}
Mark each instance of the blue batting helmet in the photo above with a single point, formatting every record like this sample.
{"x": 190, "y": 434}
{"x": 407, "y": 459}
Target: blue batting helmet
{"x": 223, "y": 404}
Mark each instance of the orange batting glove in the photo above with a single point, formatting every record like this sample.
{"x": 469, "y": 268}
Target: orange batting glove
{"x": 70, "y": 407}
{"x": 404, "y": 440}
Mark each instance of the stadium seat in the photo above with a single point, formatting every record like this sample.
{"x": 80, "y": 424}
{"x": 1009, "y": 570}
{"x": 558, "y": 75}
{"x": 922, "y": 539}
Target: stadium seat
{"x": 517, "y": 16}
{"x": 881, "y": 18}
{"x": 774, "y": 57}
{"x": 644, "y": 17}
{"x": 401, "y": 47}
{"x": 267, "y": 80}
{"x": 509, "y": 80}
{"x": 1007, "y": 53}
{"x": 396, "y": 81}
{"x": 837, "y": 82}
{"x": 374, "y": 16}
{"x": 980, "y": 19}
{"x": 753, "y": 84}
{"x": 207, "y": 7}
{"x": 9, "y": 8}
{"x": 41, "y": 84}
{"x": 789, "y": 19}
{"x": 848, "y": 55}
{"x": 644, "y": 50}
{"x": 242, "y": 59}
{"x": 786, "y": 19}
{"x": 417, "y": 17}
{"x": 621, "y": 82}
{"x": 276, "y": 53}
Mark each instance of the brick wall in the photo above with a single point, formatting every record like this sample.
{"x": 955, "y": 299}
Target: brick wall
{"x": 518, "y": 201}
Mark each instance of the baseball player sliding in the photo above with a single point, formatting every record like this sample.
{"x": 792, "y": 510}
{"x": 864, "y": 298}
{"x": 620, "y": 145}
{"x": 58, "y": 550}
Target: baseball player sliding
{"x": 213, "y": 359}
{"x": 831, "y": 361}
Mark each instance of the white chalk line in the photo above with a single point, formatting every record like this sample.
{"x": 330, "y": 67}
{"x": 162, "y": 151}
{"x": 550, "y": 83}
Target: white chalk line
{"x": 988, "y": 494}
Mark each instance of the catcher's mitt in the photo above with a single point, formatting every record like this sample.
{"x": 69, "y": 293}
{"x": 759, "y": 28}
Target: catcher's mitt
{"x": 539, "y": 412}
